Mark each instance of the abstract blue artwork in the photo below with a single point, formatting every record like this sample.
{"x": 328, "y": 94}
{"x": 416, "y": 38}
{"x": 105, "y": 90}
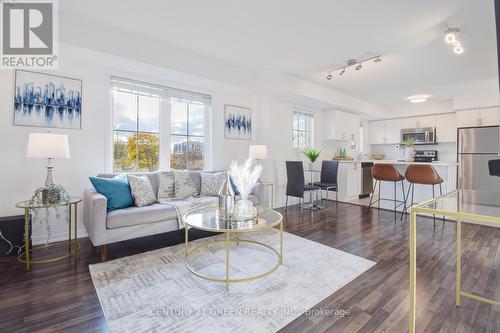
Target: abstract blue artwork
{"x": 45, "y": 100}
{"x": 237, "y": 122}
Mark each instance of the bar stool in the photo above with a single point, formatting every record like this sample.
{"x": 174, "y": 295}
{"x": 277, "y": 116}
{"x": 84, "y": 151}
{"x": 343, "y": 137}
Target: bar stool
{"x": 387, "y": 173}
{"x": 422, "y": 174}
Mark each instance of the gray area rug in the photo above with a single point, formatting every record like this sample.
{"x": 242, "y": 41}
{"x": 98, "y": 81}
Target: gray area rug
{"x": 154, "y": 292}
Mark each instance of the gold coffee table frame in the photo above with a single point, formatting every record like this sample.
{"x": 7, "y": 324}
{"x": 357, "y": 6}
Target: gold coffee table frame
{"x": 73, "y": 247}
{"x": 251, "y": 227}
{"x": 444, "y": 206}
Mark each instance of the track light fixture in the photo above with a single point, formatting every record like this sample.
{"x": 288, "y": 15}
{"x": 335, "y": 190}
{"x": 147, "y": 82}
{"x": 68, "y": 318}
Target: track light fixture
{"x": 450, "y": 36}
{"x": 357, "y": 64}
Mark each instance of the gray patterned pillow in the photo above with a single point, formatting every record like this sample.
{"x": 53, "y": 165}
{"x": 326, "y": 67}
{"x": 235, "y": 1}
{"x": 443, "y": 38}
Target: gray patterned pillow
{"x": 166, "y": 185}
{"x": 184, "y": 185}
{"x": 142, "y": 190}
{"x": 212, "y": 182}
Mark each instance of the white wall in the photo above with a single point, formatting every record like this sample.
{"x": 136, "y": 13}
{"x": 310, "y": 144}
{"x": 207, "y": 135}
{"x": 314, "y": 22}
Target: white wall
{"x": 91, "y": 147}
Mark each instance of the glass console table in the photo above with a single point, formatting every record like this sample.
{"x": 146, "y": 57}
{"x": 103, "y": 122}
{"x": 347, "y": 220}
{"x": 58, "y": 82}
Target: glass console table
{"x": 462, "y": 206}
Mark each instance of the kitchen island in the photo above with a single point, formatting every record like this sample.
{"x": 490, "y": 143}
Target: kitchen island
{"x": 350, "y": 182}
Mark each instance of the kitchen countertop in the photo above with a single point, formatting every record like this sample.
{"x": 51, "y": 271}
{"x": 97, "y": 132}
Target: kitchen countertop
{"x": 437, "y": 163}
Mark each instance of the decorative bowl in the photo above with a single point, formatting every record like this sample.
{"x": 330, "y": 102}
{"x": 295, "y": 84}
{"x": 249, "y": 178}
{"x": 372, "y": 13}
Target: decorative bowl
{"x": 378, "y": 156}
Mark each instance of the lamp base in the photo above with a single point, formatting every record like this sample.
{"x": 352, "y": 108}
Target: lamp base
{"x": 49, "y": 181}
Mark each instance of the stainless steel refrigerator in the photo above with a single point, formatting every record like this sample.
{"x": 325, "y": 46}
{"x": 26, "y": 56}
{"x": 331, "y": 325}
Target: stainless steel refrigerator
{"x": 475, "y": 147}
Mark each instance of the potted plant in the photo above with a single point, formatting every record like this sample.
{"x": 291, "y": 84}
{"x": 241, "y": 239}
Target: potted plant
{"x": 409, "y": 151}
{"x": 312, "y": 154}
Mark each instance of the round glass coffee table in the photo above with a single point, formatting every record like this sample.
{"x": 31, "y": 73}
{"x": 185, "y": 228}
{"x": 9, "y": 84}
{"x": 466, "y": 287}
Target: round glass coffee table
{"x": 208, "y": 219}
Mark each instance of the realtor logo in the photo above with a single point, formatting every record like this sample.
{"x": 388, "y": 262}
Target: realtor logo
{"x": 29, "y": 34}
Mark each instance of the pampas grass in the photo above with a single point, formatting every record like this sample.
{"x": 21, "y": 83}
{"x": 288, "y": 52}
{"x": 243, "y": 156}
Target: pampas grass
{"x": 245, "y": 176}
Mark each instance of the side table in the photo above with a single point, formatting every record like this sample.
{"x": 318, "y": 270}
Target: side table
{"x": 73, "y": 247}
{"x": 270, "y": 184}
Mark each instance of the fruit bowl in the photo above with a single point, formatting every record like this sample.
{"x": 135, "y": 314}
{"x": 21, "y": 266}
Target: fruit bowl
{"x": 378, "y": 156}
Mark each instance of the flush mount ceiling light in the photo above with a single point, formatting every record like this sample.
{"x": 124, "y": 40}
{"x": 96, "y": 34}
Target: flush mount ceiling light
{"x": 357, "y": 64}
{"x": 418, "y": 98}
{"x": 450, "y": 36}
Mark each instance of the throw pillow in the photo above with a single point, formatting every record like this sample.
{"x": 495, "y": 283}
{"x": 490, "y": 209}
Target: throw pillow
{"x": 184, "y": 185}
{"x": 142, "y": 190}
{"x": 211, "y": 183}
{"x": 166, "y": 185}
{"x": 116, "y": 190}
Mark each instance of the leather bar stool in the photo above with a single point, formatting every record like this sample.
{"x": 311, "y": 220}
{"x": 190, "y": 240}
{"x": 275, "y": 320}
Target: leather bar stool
{"x": 387, "y": 173}
{"x": 422, "y": 174}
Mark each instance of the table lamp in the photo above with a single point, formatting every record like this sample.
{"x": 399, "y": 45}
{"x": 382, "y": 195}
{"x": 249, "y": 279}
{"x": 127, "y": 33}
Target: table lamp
{"x": 258, "y": 153}
{"x": 49, "y": 146}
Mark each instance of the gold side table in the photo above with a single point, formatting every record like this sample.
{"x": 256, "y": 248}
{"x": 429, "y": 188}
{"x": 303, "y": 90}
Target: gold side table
{"x": 73, "y": 247}
{"x": 271, "y": 185}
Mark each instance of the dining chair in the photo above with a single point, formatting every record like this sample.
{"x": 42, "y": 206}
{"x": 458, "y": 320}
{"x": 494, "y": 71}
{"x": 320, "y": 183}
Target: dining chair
{"x": 295, "y": 184}
{"x": 328, "y": 178}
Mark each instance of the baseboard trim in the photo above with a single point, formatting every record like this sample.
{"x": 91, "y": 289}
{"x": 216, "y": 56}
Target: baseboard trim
{"x": 54, "y": 238}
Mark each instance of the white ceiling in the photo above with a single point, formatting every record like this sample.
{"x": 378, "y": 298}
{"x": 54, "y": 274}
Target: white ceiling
{"x": 307, "y": 38}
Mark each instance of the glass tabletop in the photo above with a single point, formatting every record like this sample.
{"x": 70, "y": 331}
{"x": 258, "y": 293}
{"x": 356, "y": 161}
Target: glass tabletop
{"x": 209, "y": 219}
{"x": 470, "y": 203}
{"x": 28, "y": 204}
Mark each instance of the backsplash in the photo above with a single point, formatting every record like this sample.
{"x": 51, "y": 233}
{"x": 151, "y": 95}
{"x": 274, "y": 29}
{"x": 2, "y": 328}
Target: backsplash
{"x": 446, "y": 151}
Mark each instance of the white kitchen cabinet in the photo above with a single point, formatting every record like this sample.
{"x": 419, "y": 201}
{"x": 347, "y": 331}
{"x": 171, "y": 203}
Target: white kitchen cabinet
{"x": 474, "y": 118}
{"x": 349, "y": 183}
{"x": 418, "y": 122}
{"x": 393, "y": 131}
{"x": 385, "y": 131}
{"x": 377, "y": 132}
{"x": 489, "y": 117}
{"x": 446, "y": 127}
{"x": 340, "y": 126}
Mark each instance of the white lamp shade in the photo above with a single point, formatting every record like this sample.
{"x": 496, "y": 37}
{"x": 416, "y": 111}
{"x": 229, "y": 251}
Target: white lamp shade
{"x": 257, "y": 152}
{"x": 47, "y": 145}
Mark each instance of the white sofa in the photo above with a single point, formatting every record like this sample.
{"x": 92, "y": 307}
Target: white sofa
{"x": 133, "y": 222}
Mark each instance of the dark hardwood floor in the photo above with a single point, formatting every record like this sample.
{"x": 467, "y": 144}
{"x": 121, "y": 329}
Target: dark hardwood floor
{"x": 61, "y": 297}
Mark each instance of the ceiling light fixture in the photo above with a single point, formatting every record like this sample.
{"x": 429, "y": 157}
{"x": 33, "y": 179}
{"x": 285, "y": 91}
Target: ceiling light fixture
{"x": 352, "y": 63}
{"x": 418, "y": 98}
{"x": 450, "y": 36}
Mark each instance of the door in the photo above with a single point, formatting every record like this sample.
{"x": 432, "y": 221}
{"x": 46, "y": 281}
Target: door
{"x": 467, "y": 118}
{"x": 377, "y": 132}
{"x": 393, "y": 131}
{"x": 446, "y": 128}
{"x": 478, "y": 140}
{"x": 409, "y": 123}
{"x": 489, "y": 117}
{"x": 473, "y": 173}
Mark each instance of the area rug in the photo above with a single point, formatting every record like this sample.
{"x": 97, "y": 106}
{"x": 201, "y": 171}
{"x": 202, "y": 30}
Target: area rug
{"x": 154, "y": 292}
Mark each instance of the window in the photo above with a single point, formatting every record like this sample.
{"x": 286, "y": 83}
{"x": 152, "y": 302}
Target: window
{"x": 187, "y": 134}
{"x": 142, "y": 113}
{"x": 135, "y": 131}
{"x": 302, "y": 132}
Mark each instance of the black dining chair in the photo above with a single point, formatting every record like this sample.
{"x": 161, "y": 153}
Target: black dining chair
{"x": 295, "y": 183}
{"x": 328, "y": 179}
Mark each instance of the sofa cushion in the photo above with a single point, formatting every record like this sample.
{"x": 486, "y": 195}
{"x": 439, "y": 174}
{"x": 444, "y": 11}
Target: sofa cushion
{"x": 116, "y": 190}
{"x": 166, "y": 185}
{"x": 211, "y": 183}
{"x": 184, "y": 185}
{"x": 153, "y": 177}
{"x": 140, "y": 215}
{"x": 142, "y": 191}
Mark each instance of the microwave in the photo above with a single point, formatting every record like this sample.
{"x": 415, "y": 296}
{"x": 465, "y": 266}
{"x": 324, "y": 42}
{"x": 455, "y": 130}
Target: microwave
{"x": 421, "y": 136}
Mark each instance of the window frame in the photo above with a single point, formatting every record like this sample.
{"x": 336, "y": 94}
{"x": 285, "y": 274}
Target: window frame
{"x": 308, "y": 131}
{"x": 165, "y": 94}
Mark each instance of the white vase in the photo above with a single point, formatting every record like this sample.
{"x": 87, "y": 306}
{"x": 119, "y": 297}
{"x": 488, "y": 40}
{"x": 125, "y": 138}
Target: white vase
{"x": 409, "y": 154}
{"x": 312, "y": 166}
